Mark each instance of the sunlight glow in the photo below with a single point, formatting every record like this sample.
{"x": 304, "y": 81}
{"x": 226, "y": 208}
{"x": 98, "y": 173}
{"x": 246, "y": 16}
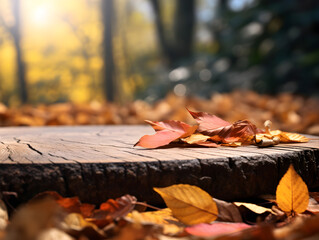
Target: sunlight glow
{"x": 40, "y": 15}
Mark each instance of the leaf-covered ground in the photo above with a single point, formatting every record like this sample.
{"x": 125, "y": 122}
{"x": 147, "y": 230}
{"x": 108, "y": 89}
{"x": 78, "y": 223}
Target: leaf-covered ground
{"x": 287, "y": 112}
{"x": 191, "y": 214}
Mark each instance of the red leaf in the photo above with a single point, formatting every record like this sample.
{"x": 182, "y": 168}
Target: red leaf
{"x": 208, "y": 122}
{"x": 215, "y": 229}
{"x": 112, "y": 209}
{"x": 166, "y": 132}
{"x": 221, "y": 130}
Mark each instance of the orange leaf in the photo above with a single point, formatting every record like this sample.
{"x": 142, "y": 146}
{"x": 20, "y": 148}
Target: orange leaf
{"x": 287, "y": 137}
{"x": 292, "y": 192}
{"x": 166, "y": 132}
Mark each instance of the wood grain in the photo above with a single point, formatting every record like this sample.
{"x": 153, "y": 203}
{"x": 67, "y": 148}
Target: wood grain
{"x": 99, "y": 162}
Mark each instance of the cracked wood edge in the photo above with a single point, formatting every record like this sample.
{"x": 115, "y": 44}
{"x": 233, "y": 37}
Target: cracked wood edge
{"x": 97, "y": 163}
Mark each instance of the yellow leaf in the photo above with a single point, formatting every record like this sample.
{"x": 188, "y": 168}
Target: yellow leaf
{"x": 253, "y": 207}
{"x": 195, "y": 138}
{"x": 189, "y": 204}
{"x": 162, "y": 217}
{"x": 77, "y": 222}
{"x": 287, "y": 137}
{"x": 292, "y": 193}
{"x": 231, "y": 144}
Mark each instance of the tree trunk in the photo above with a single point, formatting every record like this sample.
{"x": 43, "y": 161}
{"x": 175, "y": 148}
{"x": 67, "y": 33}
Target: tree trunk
{"x": 180, "y": 47}
{"x": 109, "y": 73}
{"x": 16, "y": 33}
{"x": 184, "y": 28}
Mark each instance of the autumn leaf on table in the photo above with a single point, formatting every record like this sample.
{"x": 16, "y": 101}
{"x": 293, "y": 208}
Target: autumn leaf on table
{"x": 292, "y": 193}
{"x": 224, "y": 131}
{"x": 166, "y": 132}
{"x": 271, "y": 138}
{"x": 189, "y": 204}
{"x": 199, "y": 139}
{"x": 287, "y": 137}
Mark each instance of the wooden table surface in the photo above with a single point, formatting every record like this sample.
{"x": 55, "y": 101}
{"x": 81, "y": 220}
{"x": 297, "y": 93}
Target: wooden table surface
{"x": 98, "y": 162}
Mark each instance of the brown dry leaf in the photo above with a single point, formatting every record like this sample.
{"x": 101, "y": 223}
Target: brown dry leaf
{"x": 164, "y": 218}
{"x": 189, "y": 204}
{"x": 292, "y": 192}
{"x": 227, "y": 212}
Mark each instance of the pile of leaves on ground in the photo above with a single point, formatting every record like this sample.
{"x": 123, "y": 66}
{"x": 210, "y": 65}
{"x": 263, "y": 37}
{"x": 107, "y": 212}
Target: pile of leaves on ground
{"x": 191, "y": 214}
{"x": 287, "y": 111}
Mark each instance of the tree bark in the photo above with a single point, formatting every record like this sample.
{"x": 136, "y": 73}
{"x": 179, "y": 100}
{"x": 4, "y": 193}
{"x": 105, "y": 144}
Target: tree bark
{"x": 16, "y": 34}
{"x": 184, "y": 28}
{"x": 180, "y": 47}
{"x": 108, "y": 16}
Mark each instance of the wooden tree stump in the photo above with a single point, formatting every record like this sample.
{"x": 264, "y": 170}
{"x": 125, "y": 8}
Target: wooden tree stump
{"x": 100, "y": 162}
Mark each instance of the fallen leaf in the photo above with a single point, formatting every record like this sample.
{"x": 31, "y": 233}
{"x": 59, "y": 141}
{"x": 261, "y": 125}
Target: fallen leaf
{"x": 292, "y": 193}
{"x": 120, "y": 206}
{"x": 164, "y": 218}
{"x": 227, "y": 212}
{"x": 232, "y": 144}
{"x": 253, "y": 207}
{"x": 215, "y": 229}
{"x": 216, "y": 127}
{"x": 287, "y": 137}
{"x": 189, "y": 204}
{"x": 112, "y": 210}
{"x": 166, "y": 132}
{"x": 77, "y": 226}
{"x": 195, "y": 138}
{"x": 77, "y": 222}
{"x": 208, "y": 122}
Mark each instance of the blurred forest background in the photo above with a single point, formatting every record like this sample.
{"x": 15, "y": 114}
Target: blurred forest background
{"x": 139, "y": 52}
